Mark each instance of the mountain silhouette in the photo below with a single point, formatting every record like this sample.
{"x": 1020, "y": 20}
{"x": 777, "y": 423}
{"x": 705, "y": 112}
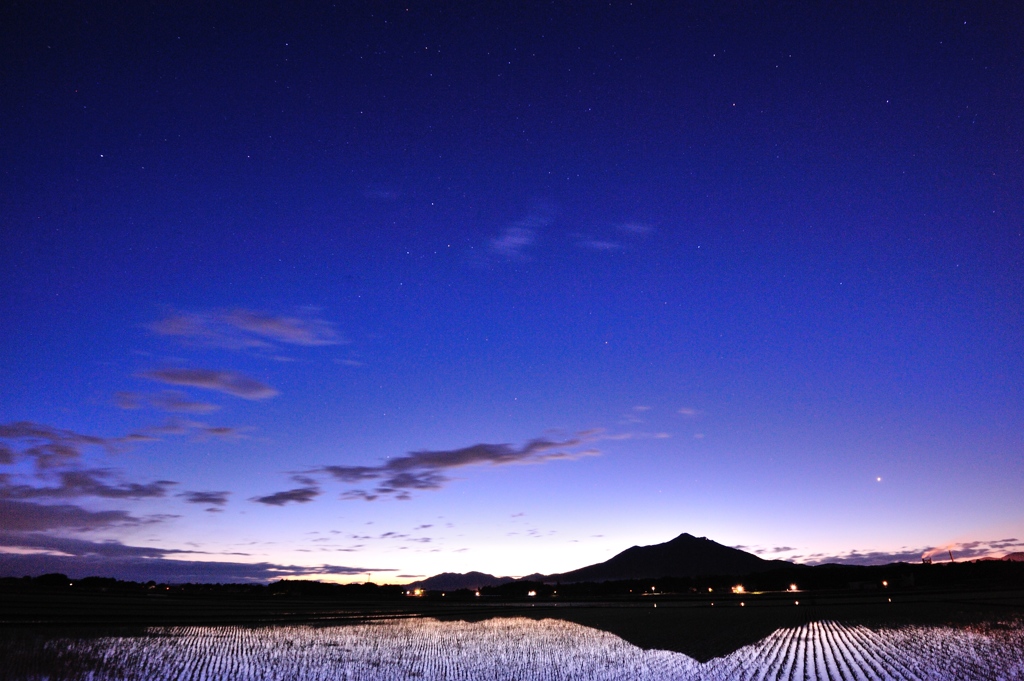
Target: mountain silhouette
{"x": 451, "y": 581}
{"x": 684, "y": 556}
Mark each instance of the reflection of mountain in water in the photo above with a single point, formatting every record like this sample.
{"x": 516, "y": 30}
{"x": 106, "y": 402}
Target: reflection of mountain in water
{"x": 509, "y": 648}
{"x": 704, "y": 632}
{"x": 700, "y": 633}
{"x": 705, "y": 635}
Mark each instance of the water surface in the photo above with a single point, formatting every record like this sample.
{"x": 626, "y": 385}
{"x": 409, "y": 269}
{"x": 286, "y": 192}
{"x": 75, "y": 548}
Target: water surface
{"x": 512, "y": 648}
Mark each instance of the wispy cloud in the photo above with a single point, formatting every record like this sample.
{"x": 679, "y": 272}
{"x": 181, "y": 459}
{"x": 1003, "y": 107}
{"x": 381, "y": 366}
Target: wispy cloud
{"x": 761, "y": 551}
{"x": 513, "y": 242}
{"x": 426, "y": 469}
{"x": 969, "y": 550}
{"x": 299, "y": 495}
{"x": 290, "y": 330}
{"x": 58, "y": 455}
{"x": 174, "y": 401}
{"x": 86, "y": 483}
{"x": 228, "y": 382}
{"x": 26, "y": 516}
{"x": 197, "y": 429}
{"x": 614, "y": 241}
{"x": 601, "y": 245}
{"x": 206, "y": 498}
{"x": 128, "y": 401}
{"x": 636, "y": 228}
{"x": 49, "y": 447}
{"x": 241, "y": 329}
{"x": 516, "y": 239}
{"x": 142, "y": 567}
{"x": 82, "y": 547}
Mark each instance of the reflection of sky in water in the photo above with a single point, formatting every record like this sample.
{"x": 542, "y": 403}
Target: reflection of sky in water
{"x": 516, "y": 648}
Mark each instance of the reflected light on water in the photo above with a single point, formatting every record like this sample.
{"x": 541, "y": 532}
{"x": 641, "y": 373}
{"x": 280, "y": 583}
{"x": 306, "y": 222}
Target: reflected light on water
{"x": 509, "y": 648}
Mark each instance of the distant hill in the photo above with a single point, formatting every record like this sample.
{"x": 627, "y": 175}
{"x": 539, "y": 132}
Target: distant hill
{"x": 684, "y": 556}
{"x": 452, "y": 581}
{"x": 1017, "y": 557}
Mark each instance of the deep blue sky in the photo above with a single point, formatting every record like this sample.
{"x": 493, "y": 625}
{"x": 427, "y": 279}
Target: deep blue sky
{"x": 390, "y": 289}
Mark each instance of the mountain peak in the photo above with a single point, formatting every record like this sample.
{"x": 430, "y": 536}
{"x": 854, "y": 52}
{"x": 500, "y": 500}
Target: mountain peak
{"x": 684, "y": 556}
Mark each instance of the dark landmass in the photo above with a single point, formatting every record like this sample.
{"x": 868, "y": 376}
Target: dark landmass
{"x": 688, "y": 599}
{"x": 684, "y": 556}
{"x": 702, "y": 625}
{"x": 450, "y": 581}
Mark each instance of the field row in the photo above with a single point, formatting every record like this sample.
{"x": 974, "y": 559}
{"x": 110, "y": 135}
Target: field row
{"x": 508, "y": 648}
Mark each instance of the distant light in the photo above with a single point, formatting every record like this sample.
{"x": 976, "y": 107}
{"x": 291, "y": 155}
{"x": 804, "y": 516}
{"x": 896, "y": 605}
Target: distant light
{"x": 797, "y": 602}
{"x": 738, "y": 589}
{"x": 885, "y": 583}
{"x": 742, "y": 604}
{"x": 879, "y": 479}
{"x": 478, "y": 594}
{"x": 531, "y": 593}
{"x": 710, "y": 589}
{"x": 792, "y": 587}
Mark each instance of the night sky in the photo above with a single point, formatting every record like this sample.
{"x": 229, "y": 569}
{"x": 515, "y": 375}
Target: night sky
{"x": 380, "y": 290}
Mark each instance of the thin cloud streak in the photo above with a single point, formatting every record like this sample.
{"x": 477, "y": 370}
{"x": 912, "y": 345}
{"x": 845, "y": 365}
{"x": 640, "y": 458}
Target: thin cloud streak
{"x": 291, "y": 330}
{"x": 601, "y": 245}
{"x": 83, "y": 547}
{"x": 142, "y": 569}
{"x": 636, "y": 228}
{"x": 85, "y": 483}
{"x": 168, "y": 400}
{"x": 173, "y": 401}
{"x": 207, "y": 498}
{"x": 49, "y": 447}
{"x": 513, "y": 242}
{"x": 197, "y": 429}
{"x": 971, "y": 550}
{"x": 242, "y": 329}
{"x": 299, "y": 495}
{"x": 25, "y": 516}
{"x": 425, "y": 470}
{"x": 228, "y": 382}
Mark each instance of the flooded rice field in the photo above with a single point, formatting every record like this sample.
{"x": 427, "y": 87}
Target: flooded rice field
{"x": 512, "y": 648}
{"x": 518, "y": 648}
